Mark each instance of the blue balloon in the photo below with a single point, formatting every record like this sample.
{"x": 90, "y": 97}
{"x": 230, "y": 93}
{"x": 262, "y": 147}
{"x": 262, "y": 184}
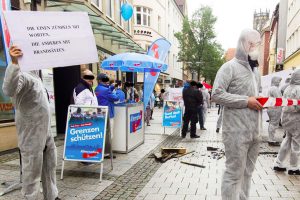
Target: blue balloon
{"x": 126, "y": 11}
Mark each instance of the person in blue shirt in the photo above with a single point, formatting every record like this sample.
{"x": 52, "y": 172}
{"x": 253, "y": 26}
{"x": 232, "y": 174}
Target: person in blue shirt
{"x": 106, "y": 96}
{"x": 119, "y": 92}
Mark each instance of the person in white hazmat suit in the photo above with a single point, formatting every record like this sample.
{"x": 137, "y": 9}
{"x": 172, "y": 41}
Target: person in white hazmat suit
{"x": 274, "y": 113}
{"x": 206, "y": 97}
{"x": 32, "y": 116}
{"x": 291, "y": 124}
{"x": 286, "y": 84}
{"x": 236, "y": 87}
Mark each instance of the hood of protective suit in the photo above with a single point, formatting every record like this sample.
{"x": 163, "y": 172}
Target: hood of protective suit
{"x": 276, "y": 81}
{"x": 247, "y": 38}
{"x": 288, "y": 80}
{"x": 295, "y": 79}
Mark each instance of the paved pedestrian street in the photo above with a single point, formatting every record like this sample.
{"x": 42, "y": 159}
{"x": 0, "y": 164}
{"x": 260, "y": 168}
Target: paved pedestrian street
{"x": 138, "y": 176}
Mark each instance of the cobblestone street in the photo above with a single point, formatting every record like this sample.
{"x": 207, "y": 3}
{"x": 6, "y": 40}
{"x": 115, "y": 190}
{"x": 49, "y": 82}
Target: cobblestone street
{"x": 136, "y": 176}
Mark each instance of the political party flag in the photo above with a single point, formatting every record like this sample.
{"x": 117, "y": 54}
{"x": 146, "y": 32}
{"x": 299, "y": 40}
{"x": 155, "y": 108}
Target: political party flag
{"x": 159, "y": 49}
{"x": 277, "y": 102}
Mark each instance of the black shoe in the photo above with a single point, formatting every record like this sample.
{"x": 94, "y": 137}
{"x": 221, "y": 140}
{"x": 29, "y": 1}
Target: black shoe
{"x": 284, "y": 135}
{"x": 279, "y": 169}
{"x": 294, "y": 172}
{"x": 57, "y": 198}
{"x": 218, "y": 130}
{"x": 268, "y": 121}
{"x": 195, "y": 136}
{"x": 148, "y": 125}
{"x": 108, "y": 157}
{"x": 203, "y": 128}
{"x": 183, "y": 135}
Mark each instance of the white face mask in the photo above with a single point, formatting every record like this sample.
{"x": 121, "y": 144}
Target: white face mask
{"x": 254, "y": 54}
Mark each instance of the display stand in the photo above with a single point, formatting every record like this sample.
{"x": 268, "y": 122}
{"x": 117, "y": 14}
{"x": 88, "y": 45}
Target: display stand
{"x": 14, "y": 186}
{"x": 71, "y": 152}
{"x": 174, "y": 121}
{"x": 129, "y": 121}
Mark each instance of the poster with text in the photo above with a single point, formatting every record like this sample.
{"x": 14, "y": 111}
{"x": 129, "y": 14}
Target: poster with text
{"x": 136, "y": 122}
{"x": 85, "y": 133}
{"x": 52, "y": 39}
{"x": 172, "y": 116}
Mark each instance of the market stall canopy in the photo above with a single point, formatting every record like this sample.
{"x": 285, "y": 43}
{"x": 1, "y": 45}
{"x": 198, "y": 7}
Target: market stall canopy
{"x": 134, "y": 62}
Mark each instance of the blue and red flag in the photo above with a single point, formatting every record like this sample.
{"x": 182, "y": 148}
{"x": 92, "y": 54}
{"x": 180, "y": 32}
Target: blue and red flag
{"x": 5, "y": 6}
{"x": 159, "y": 49}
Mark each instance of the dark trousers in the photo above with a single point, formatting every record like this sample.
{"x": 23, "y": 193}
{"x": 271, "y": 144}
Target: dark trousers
{"x": 189, "y": 116}
{"x": 200, "y": 116}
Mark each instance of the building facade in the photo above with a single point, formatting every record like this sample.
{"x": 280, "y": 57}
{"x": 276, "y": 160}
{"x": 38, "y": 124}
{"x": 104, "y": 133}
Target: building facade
{"x": 273, "y": 41}
{"x": 112, "y": 34}
{"x": 160, "y": 19}
{"x": 292, "y": 59}
{"x": 259, "y": 19}
{"x": 265, "y": 47}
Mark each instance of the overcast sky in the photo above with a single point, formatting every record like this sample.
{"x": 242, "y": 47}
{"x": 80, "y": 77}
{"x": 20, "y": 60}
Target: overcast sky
{"x": 232, "y": 16}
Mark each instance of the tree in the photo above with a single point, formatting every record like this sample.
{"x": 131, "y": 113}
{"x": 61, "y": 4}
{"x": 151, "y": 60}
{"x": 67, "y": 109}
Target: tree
{"x": 198, "y": 45}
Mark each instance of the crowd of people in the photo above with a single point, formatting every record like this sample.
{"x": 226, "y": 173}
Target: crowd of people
{"x": 236, "y": 90}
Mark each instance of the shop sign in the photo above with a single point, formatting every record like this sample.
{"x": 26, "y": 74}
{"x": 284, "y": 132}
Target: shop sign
{"x": 142, "y": 32}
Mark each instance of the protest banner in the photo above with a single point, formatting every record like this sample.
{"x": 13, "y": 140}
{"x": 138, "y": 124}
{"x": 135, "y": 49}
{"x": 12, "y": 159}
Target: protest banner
{"x": 172, "y": 116}
{"x": 85, "y": 134}
{"x": 52, "y": 39}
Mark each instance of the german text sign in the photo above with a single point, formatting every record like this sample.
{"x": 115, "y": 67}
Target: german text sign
{"x": 85, "y": 133}
{"x": 52, "y": 39}
{"x": 172, "y": 116}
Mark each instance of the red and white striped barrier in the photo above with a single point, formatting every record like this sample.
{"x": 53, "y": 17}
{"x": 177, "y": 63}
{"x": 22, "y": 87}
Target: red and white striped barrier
{"x": 277, "y": 102}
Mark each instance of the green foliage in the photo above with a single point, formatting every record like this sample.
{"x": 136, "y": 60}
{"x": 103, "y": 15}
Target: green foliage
{"x": 198, "y": 46}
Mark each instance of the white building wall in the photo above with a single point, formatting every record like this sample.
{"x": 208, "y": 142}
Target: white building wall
{"x": 293, "y": 27}
{"x": 170, "y": 22}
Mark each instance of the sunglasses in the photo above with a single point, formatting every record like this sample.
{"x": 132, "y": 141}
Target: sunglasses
{"x": 89, "y": 77}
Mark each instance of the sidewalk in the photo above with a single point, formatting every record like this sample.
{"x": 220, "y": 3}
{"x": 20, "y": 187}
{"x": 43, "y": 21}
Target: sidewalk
{"x": 174, "y": 181}
{"x": 82, "y": 182}
{"x": 135, "y": 176}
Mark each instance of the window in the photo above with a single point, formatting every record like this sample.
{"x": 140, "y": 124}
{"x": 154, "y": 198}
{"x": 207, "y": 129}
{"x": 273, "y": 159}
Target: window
{"x": 110, "y": 8}
{"x": 118, "y": 11}
{"x": 143, "y": 16}
{"x": 98, "y": 4}
{"x": 159, "y": 24}
{"x": 6, "y": 107}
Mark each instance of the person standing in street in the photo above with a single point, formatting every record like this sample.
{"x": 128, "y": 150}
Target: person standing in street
{"x": 192, "y": 99}
{"x": 203, "y": 108}
{"x": 83, "y": 93}
{"x": 35, "y": 141}
{"x": 106, "y": 97}
{"x": 286, "y": 84}
{"x": 274, "y": 113}
{"x": 291, "y": 125}
{"x": 200, "y": 109}
{"x": 119, "y": 92}
{"x": 236, "y": 87}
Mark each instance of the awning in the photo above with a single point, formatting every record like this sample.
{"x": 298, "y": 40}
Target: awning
{"x": 99, "y": 25}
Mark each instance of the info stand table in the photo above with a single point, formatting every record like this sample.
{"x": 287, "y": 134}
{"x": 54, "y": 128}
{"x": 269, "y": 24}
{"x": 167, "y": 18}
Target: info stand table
{"x": 129, "y": 130}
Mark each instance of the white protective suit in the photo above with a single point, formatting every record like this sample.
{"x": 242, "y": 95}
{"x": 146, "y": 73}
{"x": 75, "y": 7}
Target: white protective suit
{"x": 291, "y": 124}
{"x": 286, "y": 84}
{"x": 234, "y": 84}
{"x": 274, "y": 112}
{"x": 38, "y": 150}
{"x": 205, "y": 95}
